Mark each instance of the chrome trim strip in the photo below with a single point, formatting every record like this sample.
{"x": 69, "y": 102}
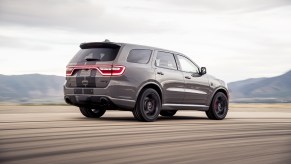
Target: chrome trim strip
{"x": 190, "y": 105}
{"x": 121, "y": 99}
{"x": 195, "y": 91}
{"x": 176, "y": 89}
{"x": 187, "y": 90}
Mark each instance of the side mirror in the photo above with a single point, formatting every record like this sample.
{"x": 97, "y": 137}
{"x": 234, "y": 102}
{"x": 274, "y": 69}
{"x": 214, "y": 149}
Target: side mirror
{"x": 203, "y": 70}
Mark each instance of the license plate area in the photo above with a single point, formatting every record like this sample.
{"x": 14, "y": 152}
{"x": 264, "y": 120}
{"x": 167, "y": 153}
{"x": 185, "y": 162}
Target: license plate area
{"x": 85, "y": 72}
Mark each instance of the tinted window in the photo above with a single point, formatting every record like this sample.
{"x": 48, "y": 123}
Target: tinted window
{"x": 139, "y": 56}
{"x": 187, "y": 65}
{"x": 166, "y": 60}
{"x": 95, "y": 54}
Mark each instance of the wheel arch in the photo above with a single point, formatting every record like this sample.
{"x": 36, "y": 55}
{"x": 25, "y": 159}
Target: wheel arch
{"x": 220, "y": 89}
{"x": 152, "y": 85}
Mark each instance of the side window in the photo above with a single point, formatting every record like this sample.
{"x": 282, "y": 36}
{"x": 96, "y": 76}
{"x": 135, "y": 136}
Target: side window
{"x": 139, "y": 56}
{"x": 166, "y": 60}
{"x": 187, "y": 65}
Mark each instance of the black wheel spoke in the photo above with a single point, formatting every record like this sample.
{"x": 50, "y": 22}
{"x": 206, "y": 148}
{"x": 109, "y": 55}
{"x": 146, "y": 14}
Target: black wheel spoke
{"x": 149, "y": 105}
{"x": 220, "y": 105}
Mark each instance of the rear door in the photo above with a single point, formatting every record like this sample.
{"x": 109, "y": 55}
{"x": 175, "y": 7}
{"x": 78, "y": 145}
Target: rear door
{"x": 169, "y": 77}
{"x": 196, "y": 85}
{"x": 91, "y": 67}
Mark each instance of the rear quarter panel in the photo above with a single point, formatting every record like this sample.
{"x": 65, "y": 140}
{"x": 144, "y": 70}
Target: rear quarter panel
{"x": 135, "y": 76}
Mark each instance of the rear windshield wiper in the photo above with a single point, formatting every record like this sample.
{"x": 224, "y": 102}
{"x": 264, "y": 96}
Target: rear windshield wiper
{"x": 92, "y": 59}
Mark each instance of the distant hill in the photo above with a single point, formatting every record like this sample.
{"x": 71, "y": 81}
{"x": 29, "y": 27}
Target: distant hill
{"x": 31, "y": 88}
{"x": 36, "y": 88}
{"x": 273, "y": 89}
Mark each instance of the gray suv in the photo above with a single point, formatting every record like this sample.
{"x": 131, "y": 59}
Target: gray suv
{"x": 146, "y": 80}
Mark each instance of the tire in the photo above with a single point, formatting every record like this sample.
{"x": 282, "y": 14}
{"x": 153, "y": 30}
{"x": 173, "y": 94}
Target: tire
{"x": 168, "y": 113}
{"x": 92, "y": 113}
{"x": 148, "y": 106}
{"x": 219, "y": 107}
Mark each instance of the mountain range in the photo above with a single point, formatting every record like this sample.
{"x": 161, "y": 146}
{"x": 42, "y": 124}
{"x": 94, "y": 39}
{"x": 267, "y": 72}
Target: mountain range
{"x": 272, "y": 89}
{"x": 37, "y": 88}
{"x": 31, "y": 88}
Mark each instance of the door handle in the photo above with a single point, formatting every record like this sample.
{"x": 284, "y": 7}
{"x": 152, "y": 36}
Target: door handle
{"x": 160, "y": 73}
{"x": 187, "y": 77}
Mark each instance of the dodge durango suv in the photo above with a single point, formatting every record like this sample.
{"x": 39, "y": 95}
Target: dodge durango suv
{"x": 146, "y": 80}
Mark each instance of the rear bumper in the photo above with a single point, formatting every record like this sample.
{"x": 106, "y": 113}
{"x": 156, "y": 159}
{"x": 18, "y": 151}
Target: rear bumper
{"x": 118, "y": 93}
{"x": 98, "y": 101}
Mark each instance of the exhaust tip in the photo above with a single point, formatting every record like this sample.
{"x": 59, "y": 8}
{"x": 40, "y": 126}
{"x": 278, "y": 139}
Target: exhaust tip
{"x": 104, "y": 101}
{"x": 68, "y": 101}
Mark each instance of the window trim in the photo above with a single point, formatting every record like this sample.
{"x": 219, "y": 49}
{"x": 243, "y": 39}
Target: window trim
{"x": 180, "y": 69}
{"x": 140, "y": 49}
{"x": 177, "y": 67}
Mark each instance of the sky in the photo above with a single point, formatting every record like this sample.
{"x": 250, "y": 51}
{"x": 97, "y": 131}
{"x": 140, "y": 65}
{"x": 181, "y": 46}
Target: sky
{"x": 233, "y": 39}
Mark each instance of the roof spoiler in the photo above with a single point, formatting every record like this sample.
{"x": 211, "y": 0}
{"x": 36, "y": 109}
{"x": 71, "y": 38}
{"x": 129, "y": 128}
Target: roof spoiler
{"x": 105, "y": 44}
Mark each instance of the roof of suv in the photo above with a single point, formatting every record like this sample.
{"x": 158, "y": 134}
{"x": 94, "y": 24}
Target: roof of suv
{"x": 115, "y": 44}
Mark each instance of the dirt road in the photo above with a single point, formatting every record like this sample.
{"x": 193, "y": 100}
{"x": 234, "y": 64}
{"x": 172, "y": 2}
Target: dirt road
{"x": 60, "y": 134}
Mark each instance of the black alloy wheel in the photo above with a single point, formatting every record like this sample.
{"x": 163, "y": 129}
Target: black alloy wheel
{"x": 148, "y": 106}
{"x": 219, "y": 107}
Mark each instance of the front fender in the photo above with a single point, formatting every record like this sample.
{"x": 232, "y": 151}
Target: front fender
{"x": 218, "y": 89}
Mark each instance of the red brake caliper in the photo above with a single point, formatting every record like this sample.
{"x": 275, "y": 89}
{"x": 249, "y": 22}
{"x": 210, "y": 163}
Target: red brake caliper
{"x": 215, "y": 105}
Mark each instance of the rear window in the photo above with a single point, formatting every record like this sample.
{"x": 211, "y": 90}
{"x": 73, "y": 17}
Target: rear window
{"x": 165, "y": 60}
{"x": 139, "y": 56}
{"x": 95, "y": 54}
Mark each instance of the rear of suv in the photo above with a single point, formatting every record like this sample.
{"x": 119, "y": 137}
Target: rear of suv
{"x": 146, "y": 80}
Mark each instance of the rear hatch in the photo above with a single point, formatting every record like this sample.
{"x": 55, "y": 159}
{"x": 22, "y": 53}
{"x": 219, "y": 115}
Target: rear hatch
{"x": 92, "y": 66}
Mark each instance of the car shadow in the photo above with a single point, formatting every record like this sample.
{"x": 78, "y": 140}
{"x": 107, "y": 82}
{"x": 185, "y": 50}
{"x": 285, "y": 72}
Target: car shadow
{"x": 132, "y": 119}
{"x": 182, "y": 118}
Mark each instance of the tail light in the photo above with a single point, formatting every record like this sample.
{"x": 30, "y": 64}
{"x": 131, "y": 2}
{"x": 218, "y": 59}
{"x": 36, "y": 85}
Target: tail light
{"x": 111, "y": 70}
{"x": 69, "y": 71}
{"x": 105, "y": 70}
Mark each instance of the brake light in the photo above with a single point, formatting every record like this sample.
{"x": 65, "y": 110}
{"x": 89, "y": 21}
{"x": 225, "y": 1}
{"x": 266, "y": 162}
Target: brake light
{"x": 105, "y": 70}
{"x": 69, "y": 71}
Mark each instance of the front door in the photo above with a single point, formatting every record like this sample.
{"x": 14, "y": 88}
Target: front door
{"x": 196, "y": 85}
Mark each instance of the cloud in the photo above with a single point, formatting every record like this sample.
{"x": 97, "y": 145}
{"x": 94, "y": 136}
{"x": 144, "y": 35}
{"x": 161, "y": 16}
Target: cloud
{"x": 227, "y": 5}
{"x": 111, "y": 16}
{"x": 83, "y": 16}
{"x": 235, "y": 39}
{"x": 8, "y": 42}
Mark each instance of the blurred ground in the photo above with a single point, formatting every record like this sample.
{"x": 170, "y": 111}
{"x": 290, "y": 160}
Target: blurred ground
{"x": 60, "y": 134}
